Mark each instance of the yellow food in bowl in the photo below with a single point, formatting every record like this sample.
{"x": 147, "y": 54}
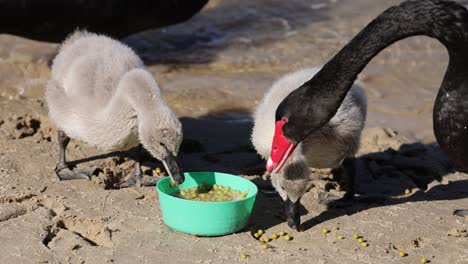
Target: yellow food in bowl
{"x": 215, "y": 193}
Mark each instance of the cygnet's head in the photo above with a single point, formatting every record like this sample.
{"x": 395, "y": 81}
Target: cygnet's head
{"x": 293, "y": 180}
{"x": 163, "y": 144}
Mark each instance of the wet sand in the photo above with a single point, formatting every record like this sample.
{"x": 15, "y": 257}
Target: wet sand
{"x": 212, "y": 72}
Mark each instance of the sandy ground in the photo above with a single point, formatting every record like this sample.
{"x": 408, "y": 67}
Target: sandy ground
{"x": 213, "y": 87}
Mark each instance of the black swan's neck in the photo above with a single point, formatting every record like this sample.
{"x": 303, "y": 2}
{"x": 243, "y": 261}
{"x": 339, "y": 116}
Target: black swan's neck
{"x": 312, "y": 105}
{"x": 443, "y": 20}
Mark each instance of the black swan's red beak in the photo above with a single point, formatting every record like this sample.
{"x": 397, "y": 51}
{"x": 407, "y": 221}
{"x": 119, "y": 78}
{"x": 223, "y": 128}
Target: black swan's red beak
{"x": 281, "y": 148}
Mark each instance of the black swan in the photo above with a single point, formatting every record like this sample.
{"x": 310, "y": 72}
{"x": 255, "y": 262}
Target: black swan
{"x": 312, "y": 105}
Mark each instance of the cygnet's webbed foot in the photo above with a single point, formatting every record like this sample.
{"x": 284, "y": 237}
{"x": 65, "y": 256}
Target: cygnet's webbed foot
{"x": 137, "y": 181}
{"x": 63, "y": 173}
{"x": 62, "y": 170}
{"x": 345, "y": 201}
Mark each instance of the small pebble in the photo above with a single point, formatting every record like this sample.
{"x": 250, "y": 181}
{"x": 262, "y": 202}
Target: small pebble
{"x": 287, "y": 237}
{"x": 364, "y": 244}
{"x": 423, "y": 260}
{"x": 340, "y": 237}
{"x": 325, "y": 230}
{"x": 356, "y": 236}
{"x": 281, "y": 233}
{"x": 244, "y": 256}
{"x": 402, "y": 254}
{"x": 260, "y": 232}
{"x": 407, "y": 191}
{"x": 264, "y": 246}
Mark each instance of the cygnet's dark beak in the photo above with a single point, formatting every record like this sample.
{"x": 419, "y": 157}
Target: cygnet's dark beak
{"x": 292, "y": 214}
{"x": 173, "y": 169}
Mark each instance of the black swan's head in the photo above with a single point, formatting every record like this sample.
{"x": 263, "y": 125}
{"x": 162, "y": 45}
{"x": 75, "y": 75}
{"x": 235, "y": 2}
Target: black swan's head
{"x": 301, "y": 113}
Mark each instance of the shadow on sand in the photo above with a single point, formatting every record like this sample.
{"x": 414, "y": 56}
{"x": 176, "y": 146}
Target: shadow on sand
{"x": 221, "y": 142}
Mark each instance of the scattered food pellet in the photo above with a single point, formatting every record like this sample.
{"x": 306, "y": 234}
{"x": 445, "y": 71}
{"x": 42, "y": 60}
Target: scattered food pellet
{"x": 256, "y": 235}
{"x": 266, "y": 239}
{"x": 335, "y": 228}
{"x": 356, "y": 236}
{"x": 407, "y": 191}
{"x": 158, "y": 170}
{"x": 274, "y": 236}
{"x": 364, "y": 244}
{"x": 325, "y": 230}
{"x": 423, "y": 260}
{"x": 244, "y": 256}
{"x": 287, "y": 237}
{"x": 281, "y": 233}
{"x": 360, "y": 240}
{"x": 264, "y": 246}
{"x": 260, "y": 232}
{"x": 402, "y": 254}
{"x": 340, "y": 237}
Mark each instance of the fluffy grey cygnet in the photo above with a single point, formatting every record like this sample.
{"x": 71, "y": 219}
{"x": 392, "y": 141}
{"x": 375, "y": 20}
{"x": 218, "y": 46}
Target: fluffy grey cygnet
{"x": 100, "y": 93}
{"x": 334, "y": 144}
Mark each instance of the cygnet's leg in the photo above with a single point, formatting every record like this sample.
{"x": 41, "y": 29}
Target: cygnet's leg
{"x": 62, "y": 170}
{"x": 137, "y": 178}
{"x": 346, "y": 170}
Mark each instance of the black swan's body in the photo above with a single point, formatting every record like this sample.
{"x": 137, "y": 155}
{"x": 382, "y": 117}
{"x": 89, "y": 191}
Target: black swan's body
{"x": 311, "y": 106}
{"x": 315, "y": 102}
{"x": 53, "y": 20}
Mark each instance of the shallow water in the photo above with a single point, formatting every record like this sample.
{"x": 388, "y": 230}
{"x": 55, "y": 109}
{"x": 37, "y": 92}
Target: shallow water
{"x": 227, "y": 56}
{"x": 233, "y": 52}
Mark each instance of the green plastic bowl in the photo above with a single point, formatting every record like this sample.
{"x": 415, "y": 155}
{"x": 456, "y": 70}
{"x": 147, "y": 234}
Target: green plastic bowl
{"x": 206, "y": 218}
